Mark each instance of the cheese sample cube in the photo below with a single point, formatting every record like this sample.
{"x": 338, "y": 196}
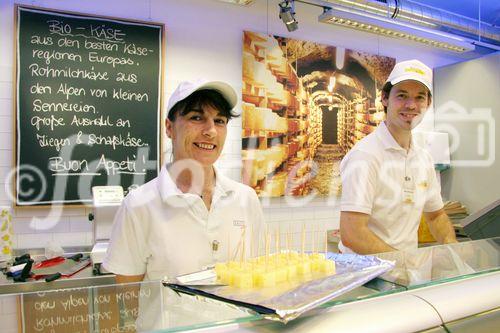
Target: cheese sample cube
{"x": 233, "y": 264}
{"x": 304, "y": 268}
{"x": 291, "y": 272}
{"x": 317, "y": 256}
{"x": 327, "y": 266}
{"x": 281, "y": 274}
{"x": 316, "y": 265}
{"x": 243, "y": 280}
{"x": 265, "y": 279}
{"x": 222, "y": 272}
{"x": 256, "y": 273}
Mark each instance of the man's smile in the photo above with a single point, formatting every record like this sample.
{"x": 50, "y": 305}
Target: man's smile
{"x": 408, "y": 116}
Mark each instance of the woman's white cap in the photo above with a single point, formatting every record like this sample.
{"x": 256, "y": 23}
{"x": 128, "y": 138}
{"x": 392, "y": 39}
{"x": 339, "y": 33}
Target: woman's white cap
{"x": 186, "y": 88}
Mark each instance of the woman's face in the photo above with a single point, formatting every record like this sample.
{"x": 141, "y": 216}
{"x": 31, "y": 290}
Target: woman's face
{"x": 199, "y": 134}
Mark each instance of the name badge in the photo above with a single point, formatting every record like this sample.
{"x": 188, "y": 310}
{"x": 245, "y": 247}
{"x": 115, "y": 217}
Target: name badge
{"x": 408, "y": 195}
{"x": 239, "y": 223}
{"x": 423, "y": 184}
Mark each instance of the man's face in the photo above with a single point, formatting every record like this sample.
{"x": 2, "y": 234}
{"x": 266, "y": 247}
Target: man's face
{"x": 406, "y": 105}
{"x": 198, "y": 135}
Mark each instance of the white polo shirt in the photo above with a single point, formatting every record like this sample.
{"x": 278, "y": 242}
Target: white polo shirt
{"x": 393, "y": 186}
{"x": 161, "y": 232}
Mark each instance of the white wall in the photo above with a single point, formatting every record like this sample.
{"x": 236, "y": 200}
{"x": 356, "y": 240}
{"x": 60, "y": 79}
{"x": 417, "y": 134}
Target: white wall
{"x": 203, "y": 39}
{"x": 474, "y": 178}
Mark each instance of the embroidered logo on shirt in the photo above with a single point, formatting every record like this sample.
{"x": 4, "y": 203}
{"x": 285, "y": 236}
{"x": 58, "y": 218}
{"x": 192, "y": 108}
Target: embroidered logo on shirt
{"x": 239, "y": 223}
{"x": 423, "y": 184}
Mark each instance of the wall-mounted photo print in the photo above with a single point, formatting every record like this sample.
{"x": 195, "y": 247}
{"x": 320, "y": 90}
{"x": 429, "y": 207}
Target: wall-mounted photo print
{"x": 304, "y": 106}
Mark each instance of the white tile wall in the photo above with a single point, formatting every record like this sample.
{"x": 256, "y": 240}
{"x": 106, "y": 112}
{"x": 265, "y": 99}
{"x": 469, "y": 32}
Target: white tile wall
{"x": 68, "y": 239}
{"x": 4, "y": 173}
{"x": 6, "y": 106}
{"x": 211, "y": 49}
{"x": 6, "y": 141}
{"x": 6, "y": 157}
{"x": 29, "y": 241}
{"x": 5, "y": 123}
{"x": 80, "y": 224}
{"x": 6, "y": 89}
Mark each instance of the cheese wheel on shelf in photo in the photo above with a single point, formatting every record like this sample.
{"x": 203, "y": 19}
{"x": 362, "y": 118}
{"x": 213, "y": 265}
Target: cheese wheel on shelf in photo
{"x": 261, "y": 115}
{"x": 260, "y": 73}
{"x": 248, "y": 66}
{"x": 247, "y": 116}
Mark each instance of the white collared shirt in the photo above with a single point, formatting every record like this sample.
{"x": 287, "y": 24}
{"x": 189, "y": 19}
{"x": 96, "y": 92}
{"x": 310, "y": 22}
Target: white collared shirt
{"x": 393, "y": 186}
{"x": 162, "y": 232}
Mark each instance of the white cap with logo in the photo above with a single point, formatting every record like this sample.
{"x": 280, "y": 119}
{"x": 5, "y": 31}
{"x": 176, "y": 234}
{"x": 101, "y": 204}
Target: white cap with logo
{"x": 186, "y": 88}
{"x": 411, "y": 70}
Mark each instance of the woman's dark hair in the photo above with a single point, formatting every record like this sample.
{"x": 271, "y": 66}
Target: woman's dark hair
{"x": 386, "y": 90}
{"x": 200, "y": 98}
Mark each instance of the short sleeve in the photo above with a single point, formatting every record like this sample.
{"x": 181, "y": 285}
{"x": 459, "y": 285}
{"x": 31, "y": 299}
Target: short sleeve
{"x": 126, "y": 254}
{"x": 359, "y": 182}
{"x": 433, "y": 201}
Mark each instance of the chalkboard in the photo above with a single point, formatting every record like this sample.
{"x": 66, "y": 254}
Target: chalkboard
{"x": 88, "y": 104}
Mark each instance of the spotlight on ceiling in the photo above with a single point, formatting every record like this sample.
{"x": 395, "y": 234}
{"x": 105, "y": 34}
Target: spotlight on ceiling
{"x": 287, "y": 12}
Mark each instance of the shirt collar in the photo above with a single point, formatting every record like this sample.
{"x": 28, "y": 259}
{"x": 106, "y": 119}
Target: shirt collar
{"x": 388, "y": 140}
{"x": 168, "y": 188}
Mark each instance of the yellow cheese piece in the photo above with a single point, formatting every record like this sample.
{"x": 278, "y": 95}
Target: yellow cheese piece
{"x": 265, "y": 279}
{"x": 327, "y": 266}
{"x": 281, "y": 274}
{"x": 242, "y": 280}
{"x": 304, "y": 268}
{"x": 291, "y": 272}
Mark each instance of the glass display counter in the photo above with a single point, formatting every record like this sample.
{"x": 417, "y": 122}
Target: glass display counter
{"x": 420, "y": 279}
{"x": 441, "y": 263}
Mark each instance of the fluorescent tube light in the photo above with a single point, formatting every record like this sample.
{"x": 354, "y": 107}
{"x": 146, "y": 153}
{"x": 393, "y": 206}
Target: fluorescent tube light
{"x": 396, "y": 29}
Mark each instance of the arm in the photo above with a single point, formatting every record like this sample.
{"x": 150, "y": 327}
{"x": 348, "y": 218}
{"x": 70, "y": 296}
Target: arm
{"x": 128, "y": 278}
{"x": 127, "y": 252}
{"x": 440, "y": 226}
{"x": 356, "y": 235}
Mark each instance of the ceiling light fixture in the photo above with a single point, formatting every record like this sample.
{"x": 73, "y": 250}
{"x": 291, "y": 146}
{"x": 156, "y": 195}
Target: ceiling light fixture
{"x": 287, "y": 12}
{"x": 396, "y": 29}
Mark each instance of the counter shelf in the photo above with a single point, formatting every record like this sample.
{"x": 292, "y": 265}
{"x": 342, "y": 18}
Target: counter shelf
{"x": 101, "y": 308}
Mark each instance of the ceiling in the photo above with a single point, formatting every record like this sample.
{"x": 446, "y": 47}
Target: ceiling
{"x": 489, "y": 10}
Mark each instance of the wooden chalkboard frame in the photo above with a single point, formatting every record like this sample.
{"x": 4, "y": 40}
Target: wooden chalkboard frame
{"x": 159, "y": 123}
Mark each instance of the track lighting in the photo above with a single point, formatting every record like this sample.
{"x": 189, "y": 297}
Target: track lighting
{"x": 287, "y": 12}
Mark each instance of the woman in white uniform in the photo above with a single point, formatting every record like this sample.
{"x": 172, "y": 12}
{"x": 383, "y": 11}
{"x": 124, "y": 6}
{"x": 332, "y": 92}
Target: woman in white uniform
{"x": 191, "y": 215}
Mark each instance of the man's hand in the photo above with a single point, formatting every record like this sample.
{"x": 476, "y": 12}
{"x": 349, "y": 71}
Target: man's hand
{"x": 356, "y": 235}
{"x": 440, "y": 226}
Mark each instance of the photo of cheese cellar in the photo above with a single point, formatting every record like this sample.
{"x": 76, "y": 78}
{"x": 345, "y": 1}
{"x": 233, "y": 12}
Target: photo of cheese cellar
{"x": 304, "y": 106}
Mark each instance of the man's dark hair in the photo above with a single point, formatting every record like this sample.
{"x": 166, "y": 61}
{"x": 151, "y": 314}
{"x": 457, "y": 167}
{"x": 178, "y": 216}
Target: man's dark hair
{"x": 386, "y": 90}
{"x": 199, "y": 99}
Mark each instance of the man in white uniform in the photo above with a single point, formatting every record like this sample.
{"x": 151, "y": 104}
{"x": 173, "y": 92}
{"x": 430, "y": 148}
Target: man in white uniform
{"x": 387, "y": 180}
{"x": 191, "y": 215}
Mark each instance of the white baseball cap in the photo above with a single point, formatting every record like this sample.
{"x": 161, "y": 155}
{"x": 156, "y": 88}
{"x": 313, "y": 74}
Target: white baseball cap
{"x": 411, "y": 70}
{"x": 186, "y": 88}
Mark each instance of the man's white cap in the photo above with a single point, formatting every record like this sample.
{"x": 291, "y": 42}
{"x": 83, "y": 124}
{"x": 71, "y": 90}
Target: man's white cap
{"x": 411, "y": 70}
{"x": 186, "y": 88}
